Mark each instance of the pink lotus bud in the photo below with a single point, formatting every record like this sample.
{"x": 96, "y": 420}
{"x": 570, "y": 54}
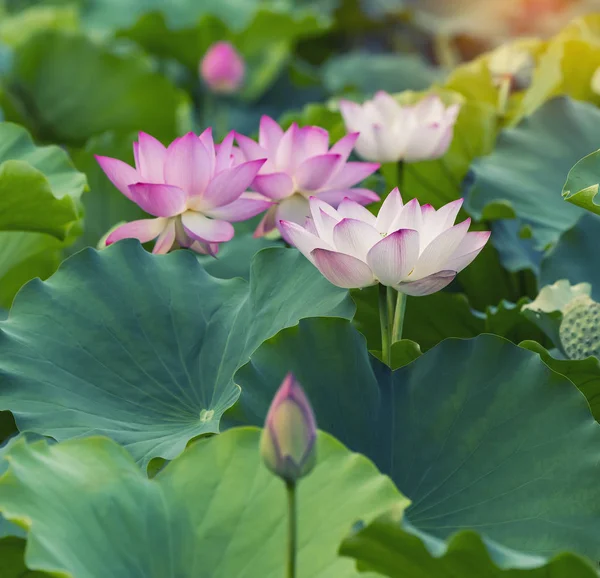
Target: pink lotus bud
{"x": 287, "y": 445}
{"x": 222, "y": 68}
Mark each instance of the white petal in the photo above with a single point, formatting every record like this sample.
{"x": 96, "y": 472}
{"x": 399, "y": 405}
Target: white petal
{"x": 354, "y": 238}
{"x": 352, "y": 210}
{"x": 343, "y": 270}
{"x": 302, "y": 239}
{"x": 390, "y": 209}
{"x": 435, "y": 256}
{"x": 408, "y": 218}
{"x": 394, "y": 257}
{"x": 468, "y": 249}
{"x": 428, "y": 285}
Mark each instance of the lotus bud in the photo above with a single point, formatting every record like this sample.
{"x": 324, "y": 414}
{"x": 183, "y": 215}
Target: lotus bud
{"x": 288, "y": 442}
{"x": 222, "y": 68}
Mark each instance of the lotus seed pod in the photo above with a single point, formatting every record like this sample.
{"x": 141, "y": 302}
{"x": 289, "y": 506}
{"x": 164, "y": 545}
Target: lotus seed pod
{"x": 580, "y": 328}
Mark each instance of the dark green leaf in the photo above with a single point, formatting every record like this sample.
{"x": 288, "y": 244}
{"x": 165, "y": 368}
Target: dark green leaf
{"x": 143, "y": 348}
{"x": 477, "y": 433}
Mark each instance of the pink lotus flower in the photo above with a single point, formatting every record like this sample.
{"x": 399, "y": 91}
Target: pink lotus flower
{"x": 416, "y": 250}
{"x": 288, "y": 441}
{"x": 299, "y": 165}
{"x": 390, "y": 132}
{"x": 194, "y": 191}
{"x": 222, "y": 68}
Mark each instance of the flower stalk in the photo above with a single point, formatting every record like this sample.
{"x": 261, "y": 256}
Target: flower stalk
{"x": 392, "y": 307}
{"x": 292, "y": 541}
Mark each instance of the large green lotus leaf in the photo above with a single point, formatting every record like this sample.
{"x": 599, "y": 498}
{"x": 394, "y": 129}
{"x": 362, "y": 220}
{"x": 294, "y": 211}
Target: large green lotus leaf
{"x": 584, "y": 373}
{"x": 215, "y": 511}
{"x": 574, "y": 256}
{"x": 235, "y": 256}
{"x": 392, "y": 550}
{"x": 24, "y": 256}
{"x": 529, "y": 166}
{"x": 40, "y": 193}
{"x": 39, "y": 186}
{"x": 582, "y": 183}
{"x": 73, "y": 88}
{"x": 143, "y": 348}
{"x": 476, "y": 433}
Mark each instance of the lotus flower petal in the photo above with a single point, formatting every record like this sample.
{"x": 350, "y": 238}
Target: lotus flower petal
{"x": 302, "y": 239}
{"x": 224, "y": 153}
{"x": 187, "y": 165}
{"x": 353, "y": 210}
{"x": 394, "y": 256}
{"x": 427, "y": 285}
{"x": 158, "y": 200}
{"x": 248, "y": 205}
{"x": 313, "y": 141}
{"x": 295, "y": 209}
{"x": 207, "y": 230}
{"x": 144, "y": 230}
{"x": 269, "y": 135}
{"x": 355, "y": 238}
{"x": 276, "y": 186}
{"x": 391, "y": 207}
{"x": 344, "y": 146}
{"x": 352, "y": 173}
{"x": 436, "y": 255}
{"x": 165, "y": 239}
{"x": 228, "y": 185}
{"x": 315, "y": 171}
{"x": 343, "y": 270}
{"x": 362, "y": 196}
{"x": 150, "y": 159}
{"x": 120, "y": 174}
{"x": 468, "y": 249}
{"x": 268, "y": 222}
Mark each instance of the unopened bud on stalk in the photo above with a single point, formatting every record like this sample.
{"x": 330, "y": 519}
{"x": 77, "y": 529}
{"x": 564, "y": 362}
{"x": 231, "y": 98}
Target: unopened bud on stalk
{"x": 288, "y": 442}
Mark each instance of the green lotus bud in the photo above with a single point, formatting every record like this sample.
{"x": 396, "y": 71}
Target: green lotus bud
{"x": 288, "y": 442}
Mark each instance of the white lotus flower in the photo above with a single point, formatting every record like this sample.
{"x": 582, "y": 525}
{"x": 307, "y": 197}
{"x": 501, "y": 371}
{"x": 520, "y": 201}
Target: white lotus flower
{"x": 416, "y": 250}
{"x": 390, "y": 132}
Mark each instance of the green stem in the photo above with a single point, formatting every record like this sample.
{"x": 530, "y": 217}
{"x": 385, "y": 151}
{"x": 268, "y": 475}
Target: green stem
{"x": 392, "y": 174}
{"x": 398, "y": 316}
{"x": 292, "y": 529}
{"x": 215, "y": 115}
{"x": 385, "y": 322}
{"x": 399, "y": 174}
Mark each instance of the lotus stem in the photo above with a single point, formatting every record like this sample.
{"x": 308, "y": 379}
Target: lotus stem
{"x": 292, "y": 529}
{"x": 386, "y": 316}
{"x": 398, "y": 316}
